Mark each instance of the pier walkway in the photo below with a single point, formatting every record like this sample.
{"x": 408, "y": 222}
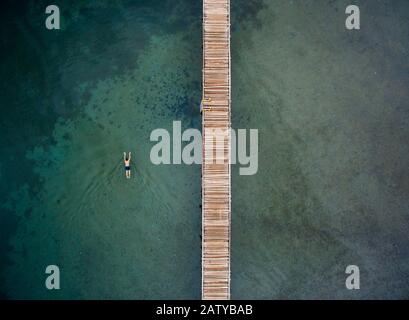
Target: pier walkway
{"x": 216, "y": 186}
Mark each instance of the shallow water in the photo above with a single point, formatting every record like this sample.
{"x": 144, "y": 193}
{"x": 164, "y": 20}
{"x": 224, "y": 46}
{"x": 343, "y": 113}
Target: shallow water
{"x": 134, "y": 68}
{"x": 332, "y": 111}
{"x": 331, "y": 190}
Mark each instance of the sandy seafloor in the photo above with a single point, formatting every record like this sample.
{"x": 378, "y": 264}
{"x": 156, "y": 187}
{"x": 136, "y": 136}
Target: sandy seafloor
{"x": 332, "y": 187}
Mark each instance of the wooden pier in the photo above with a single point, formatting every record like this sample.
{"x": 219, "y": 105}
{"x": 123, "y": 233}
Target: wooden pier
{"x": 216, "y": 186}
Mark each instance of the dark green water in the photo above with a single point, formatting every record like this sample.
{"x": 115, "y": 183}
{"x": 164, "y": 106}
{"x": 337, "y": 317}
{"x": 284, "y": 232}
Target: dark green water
{"x": 331, "y": 107}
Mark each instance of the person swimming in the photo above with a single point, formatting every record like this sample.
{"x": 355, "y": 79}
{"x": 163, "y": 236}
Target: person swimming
{"x": 127, "y": 162}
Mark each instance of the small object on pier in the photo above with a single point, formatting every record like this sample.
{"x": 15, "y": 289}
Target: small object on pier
{"x": 204, "y": 100}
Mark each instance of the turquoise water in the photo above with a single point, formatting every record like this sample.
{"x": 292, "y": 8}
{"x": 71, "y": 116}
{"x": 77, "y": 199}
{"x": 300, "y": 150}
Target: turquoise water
{"x": 78, "y": 98}
{"x": 333, "y": 119}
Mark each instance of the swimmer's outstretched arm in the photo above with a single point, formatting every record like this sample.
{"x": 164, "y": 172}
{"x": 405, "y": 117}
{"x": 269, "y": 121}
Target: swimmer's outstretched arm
{"x": 129, "y": 155}
{"x": 124, "y": 156}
